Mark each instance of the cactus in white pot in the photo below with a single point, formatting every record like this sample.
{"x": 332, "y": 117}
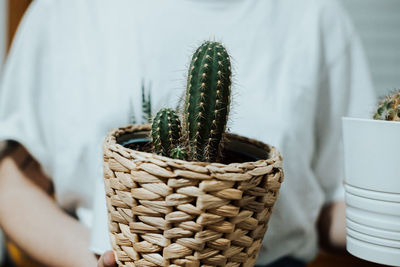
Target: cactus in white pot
{"x": 389, "y": 108}
{"x": 371, "y": 150}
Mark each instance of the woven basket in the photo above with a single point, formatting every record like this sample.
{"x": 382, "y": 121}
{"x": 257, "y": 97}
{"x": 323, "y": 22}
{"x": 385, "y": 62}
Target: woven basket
{"x": 166, "y": 212}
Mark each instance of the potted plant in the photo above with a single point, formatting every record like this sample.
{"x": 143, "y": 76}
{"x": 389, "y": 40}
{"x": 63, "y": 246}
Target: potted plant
{"x": 190, "y": 194}
{"x": 372, "y": 183}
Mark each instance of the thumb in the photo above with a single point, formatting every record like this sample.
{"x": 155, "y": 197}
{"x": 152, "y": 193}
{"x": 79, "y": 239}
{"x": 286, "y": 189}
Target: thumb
{"x": 107, "y": 260}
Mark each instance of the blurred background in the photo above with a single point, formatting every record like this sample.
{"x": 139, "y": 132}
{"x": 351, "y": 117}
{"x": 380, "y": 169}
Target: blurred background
{"x": 377, "y": 21}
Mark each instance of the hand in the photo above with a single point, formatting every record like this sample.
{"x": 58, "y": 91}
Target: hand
{"x": 107, "y": 260}
{"x": 332, "y": 227}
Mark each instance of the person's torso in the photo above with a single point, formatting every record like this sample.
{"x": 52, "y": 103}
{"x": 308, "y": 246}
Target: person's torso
{"x": 105, "y": 51}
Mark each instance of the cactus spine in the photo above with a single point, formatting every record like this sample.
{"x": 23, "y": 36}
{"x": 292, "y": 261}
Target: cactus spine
{"x": 165, "y": 132}
{"x": 389, "y": 108}
{"x": 207, "y": 101}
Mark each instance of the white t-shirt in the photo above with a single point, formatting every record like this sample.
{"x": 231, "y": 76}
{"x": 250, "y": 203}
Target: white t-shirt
{"x": 77, "y": 65}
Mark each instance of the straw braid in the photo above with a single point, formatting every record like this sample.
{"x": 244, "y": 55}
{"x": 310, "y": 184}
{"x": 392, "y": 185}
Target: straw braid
{"x": 166, "y": 212}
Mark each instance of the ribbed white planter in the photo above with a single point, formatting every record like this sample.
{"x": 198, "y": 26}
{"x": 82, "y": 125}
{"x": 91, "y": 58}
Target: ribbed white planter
{"x": 372, "y": 176}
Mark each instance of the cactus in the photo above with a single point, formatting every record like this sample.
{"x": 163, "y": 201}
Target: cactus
{"x": 178, "y": 152}
{"x": 132, "y": 117}
{"x": 389, "y": 108}
{"x": 205, "y": 111}
{"x": 146, "y": 108}
{"x": 165, "y": 132}
{"x": 207, "y": 101}
{"x": 146, "y": 105}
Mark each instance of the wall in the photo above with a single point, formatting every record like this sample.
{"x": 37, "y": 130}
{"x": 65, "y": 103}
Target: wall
{"x": 378, "y": 23}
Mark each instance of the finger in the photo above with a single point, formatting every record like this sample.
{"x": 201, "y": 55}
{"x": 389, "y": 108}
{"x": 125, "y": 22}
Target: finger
{"x": 109, "y": 260}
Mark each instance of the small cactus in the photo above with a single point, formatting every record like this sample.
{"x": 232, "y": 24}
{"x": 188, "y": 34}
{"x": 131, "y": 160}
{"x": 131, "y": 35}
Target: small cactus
{"x": 146, "y": 108}
{"x": 207, "y": 101}
{"x": 178, "y": 153}
{"x": 165, "y": 132}
{"x": 389, "y": 108}
{"x": 132, "y": 117}
{"x": 146, "y": 105}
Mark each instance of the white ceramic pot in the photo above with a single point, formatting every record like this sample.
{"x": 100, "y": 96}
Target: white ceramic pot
{"x": 372, "y": 176}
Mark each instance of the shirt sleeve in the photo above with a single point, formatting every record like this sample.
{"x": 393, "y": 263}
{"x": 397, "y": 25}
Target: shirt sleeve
{"x": 22, "y": 96}
{"x": 100, "y": 238}
{"x": 345, "y": 90}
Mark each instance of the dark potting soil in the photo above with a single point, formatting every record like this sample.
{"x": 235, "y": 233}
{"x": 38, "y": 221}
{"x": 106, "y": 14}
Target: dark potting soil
{"x": 231, "y": 154}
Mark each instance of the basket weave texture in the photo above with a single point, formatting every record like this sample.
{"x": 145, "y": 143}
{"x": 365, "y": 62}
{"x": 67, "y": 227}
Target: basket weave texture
{"x": 167, "y": 212}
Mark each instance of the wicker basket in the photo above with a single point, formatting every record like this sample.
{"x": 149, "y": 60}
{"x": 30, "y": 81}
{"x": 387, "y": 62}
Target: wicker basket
{"x": 166, "y": 212}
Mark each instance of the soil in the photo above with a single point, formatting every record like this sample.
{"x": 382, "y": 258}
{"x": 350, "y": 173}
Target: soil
{"x": 230, "y": 153}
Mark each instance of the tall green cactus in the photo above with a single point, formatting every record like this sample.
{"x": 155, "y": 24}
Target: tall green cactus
{"x": 389, "y": 108}
{"x": 165, "y": 132}
{"x": 207, "y": 101}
